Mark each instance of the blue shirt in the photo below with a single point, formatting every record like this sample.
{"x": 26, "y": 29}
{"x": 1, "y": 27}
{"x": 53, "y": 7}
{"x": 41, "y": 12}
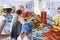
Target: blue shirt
{"x": 27, "y": 27}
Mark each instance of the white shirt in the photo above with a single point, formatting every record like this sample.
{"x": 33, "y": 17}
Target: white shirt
{"x": 8, "y": 26}
{"x": 2, "y": 18}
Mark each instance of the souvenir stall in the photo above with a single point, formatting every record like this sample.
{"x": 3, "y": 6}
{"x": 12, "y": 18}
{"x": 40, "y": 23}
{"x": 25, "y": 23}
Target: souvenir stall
{"x": 45, "y": 25}
{"x": 43, "y": 11}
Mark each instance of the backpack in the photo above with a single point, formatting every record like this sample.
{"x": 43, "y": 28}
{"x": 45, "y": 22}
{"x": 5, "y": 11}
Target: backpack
{"x": 16, "y": 29}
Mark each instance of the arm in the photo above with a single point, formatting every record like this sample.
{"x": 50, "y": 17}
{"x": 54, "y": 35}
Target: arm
{"x": 2, "y": 36}
{"x": 2, "y": 23}
{"x": 21, "y": 20}
{"x": 30, "y": 20}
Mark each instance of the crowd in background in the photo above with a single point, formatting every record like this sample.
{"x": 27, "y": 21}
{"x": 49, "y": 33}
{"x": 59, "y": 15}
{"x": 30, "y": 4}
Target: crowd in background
{"x": 13, "y": 24}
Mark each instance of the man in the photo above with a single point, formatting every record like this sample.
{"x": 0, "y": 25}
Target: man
{"x": 54, "y": 33}
{"x": 6, "y": 21}
{"x": 57, "y": 17}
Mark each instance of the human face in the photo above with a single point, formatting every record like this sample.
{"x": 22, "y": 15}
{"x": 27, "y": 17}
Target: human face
{"x": 58, "y": 11}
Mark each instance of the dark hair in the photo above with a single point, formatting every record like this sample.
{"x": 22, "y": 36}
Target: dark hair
{"x": 7, "y": 10}
{"x": 19, "y": 12}
{"x": 58, "y": 8}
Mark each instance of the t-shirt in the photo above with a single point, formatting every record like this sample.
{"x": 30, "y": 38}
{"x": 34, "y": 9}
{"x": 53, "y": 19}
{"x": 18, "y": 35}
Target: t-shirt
{"x": 56, "y": 18}
{"x": 27, "y": 27}
{"x": 2, "y": 18}
{"x": 8, "y": 26}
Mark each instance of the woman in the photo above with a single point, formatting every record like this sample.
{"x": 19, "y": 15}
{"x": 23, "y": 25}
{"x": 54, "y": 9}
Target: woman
{"x": 27, "y": 26}
{"x": 5, "y": 20}
{"x": 2, "y": 24}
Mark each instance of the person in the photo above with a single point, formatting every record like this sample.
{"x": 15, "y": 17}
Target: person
{"x": 0, "y": 10}
{"x": 2, "y": 24}
{"x": 27, "y": 26}
{"x": 16, "y": 29}
{"x": 6, "y": 21}
{"x": 21, "y": 7}
{"x": 57, "y": 17}
{"x": 54, "y": 32}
